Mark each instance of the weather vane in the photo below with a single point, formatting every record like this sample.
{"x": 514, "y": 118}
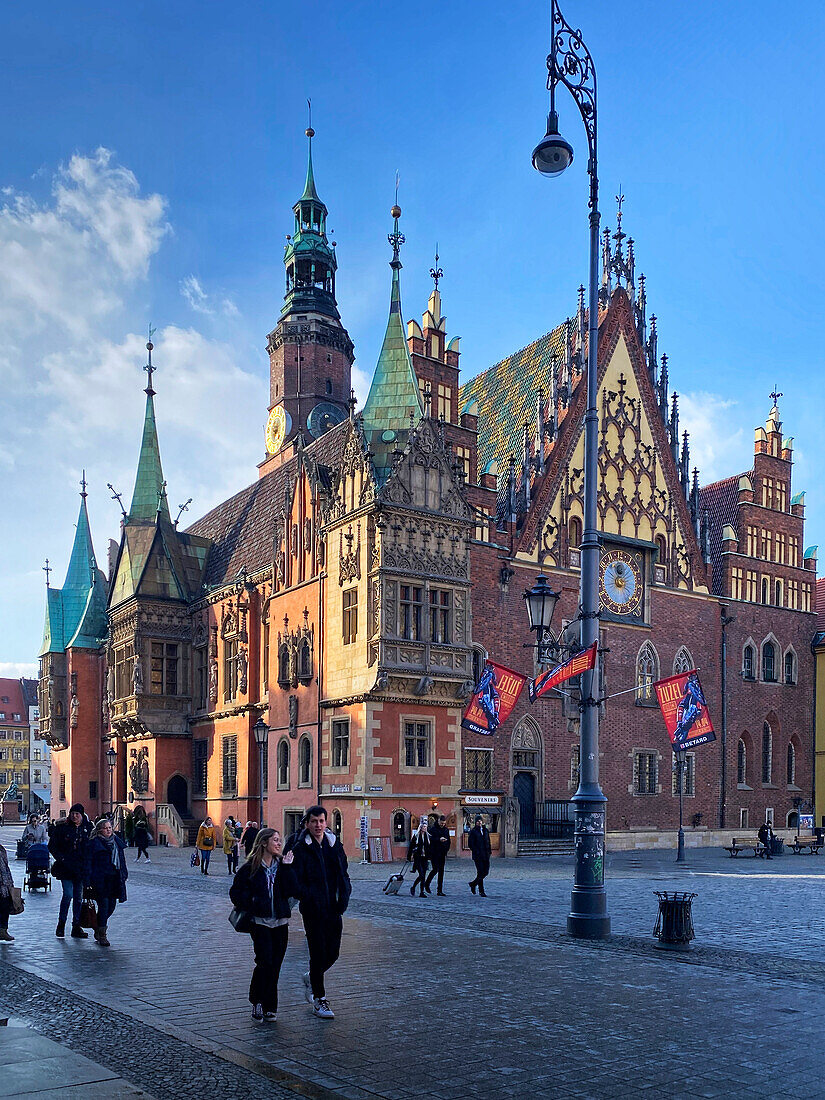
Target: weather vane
{"x": 776, "y": 395}
{"x": 396, "y": 238}
{"x": 149, "y": 391}
{"x": 47, "y": 569}
{"x": 435, "y": 272}
{"x": 83, "y": 492}
{"x": 117, "y": 496}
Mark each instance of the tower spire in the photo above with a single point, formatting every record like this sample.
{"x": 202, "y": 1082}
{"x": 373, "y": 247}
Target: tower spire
{"x": 149, "y": 497}
{"x": 436, "y": 272}
{"x": 150, "y": 370}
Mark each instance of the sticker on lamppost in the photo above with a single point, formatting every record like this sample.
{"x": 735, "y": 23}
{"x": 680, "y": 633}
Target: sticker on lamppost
{"x": 684, "y": 709}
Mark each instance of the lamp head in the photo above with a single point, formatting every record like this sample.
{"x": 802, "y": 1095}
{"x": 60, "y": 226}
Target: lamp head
{"x": 111, "y": 757}
{"x": 260, "y": 731}
{"x": 553, "y": 153}
{"x": 540, "y": 601}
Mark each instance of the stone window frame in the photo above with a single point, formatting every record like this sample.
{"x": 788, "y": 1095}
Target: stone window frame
{"x": 414, "y": 769}
{"x": 305, "y": 767}
{"x": 488, "y": 755}
{"x": 773, "y": 641}
{"x": 647, "y": 654}
{"x": 794, "y": 670}
{"x": 766, "y": 771}
{"x": 751, "y": 645}
{"x": 282, "y": 764}
{"x": 683, "y": 661}
{"x": 636, "y": 756}
{"x": 229, "y": 752}
{"x": 336, "y": 740}
{"x": 349, "y": 615}
{"x": 689, "y": 776}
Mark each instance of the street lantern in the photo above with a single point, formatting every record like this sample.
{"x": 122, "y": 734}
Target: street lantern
{"x": 111, "y": 760}
{"x": 540, "y": 601}
{"x": 260, "y": 731}
{"x": 569, "y": 63}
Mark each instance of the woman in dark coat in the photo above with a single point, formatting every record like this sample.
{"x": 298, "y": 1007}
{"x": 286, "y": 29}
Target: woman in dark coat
{"x": 6, "y": 883}
{"x": 106, "y": 874}
{"x": 418, "y": 855}
{"x": 261, "y": 889}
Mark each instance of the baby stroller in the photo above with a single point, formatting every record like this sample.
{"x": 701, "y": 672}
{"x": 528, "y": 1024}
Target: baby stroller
{"x": 38, "y": 874}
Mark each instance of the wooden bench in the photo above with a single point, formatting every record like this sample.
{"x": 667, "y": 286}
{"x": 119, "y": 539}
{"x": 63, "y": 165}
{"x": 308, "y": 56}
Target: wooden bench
{"x": 746, "y": 844}
{"x": 812, "y": 843}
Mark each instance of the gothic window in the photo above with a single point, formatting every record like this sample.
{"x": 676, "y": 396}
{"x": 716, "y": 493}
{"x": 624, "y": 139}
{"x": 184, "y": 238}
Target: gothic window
{"x": 645, "y": 772}
{"x": 350, "y": 615}
{"x": 230, "y": 668}
{"x": 747, "y": 662}
{"x": 478, "y": 769}
{"x": 329, "y": 385}
{"x": 229, "y": 765}
{"x": 769, "y": 662}
{"x": 575, "y": 533}
{"x": 412, "y": 603}
{"x": 791, "y": 764}
{"x": 283, "y": 765}
{"x": 417, "y": 744}
{"x": 647, "y": 672}
{"x": 741, "y": 764}
{"x": 124, "y": 660}
{"x": 265, "y": 647}
{"x": 767, "y": 753}
{"x": 765, "y": 590}
{"x": 688, "y": 776}
{"x": 337, "y": 823}
{"x": 441, "y": 614}
{"x": 479, "y": 660}
{"x": 682, "y": 662}
{"x": 305, "y": 662}
{"x": 778, "y": 599}
{"x": 400, "y": 830}
{"x": 163, "y": 672}
{"x": 661, "y": 546}
{"x": 305, "y": 763}
{"x": 340, "y": 743}
{"x": 201, "y": 678}
{"x": 283, "y": 665}
{"x": 790, "y": 671}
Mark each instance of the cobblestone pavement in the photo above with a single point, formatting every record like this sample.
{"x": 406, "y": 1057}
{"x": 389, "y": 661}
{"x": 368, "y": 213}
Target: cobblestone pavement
{"x": 451, "y": 997}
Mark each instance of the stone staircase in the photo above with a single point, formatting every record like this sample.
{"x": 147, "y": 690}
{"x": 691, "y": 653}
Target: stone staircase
{"x": 536, "y": 846}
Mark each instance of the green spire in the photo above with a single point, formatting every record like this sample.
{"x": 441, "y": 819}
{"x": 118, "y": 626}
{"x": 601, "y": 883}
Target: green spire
{"x": 394, "y": 392}
{"x": 82, "y": 565}
{"x": 149, "y": 497}
{"x": 309, "y": 187}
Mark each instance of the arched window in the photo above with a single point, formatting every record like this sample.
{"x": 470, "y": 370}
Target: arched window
{"x": 682, "y": 662}
{"x": 767, "y": 753}
{"x": 779, "y": 593}
{"x": 305, "y": 763}
{"x": 283, "y": 765}
{"x": 305, "y": 662}
{"x": 790, "y": 670}
{"x": 647, "y": 672}
{"x": 337, "y": 823}
{"x": 765, "y": 590}
{"x": 747, "y": 662}
{"x": 768, "y": 662}
{"x": 479, "y": 658}
{"x": 575, "y": 533}
{"x": 400, "y": 827}
{"x": 741, "y": 764}
{"x": 791, "y": 764}
{"x": 661, "y": 546}
{"x": 283, "y": 666}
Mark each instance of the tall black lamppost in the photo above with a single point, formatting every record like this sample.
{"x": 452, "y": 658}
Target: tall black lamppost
{"x": 111, "y": 760}
{"x": 540, "y": 601}
{"x": 261, "y": 733}
{"x": 569, "y": 63}
{"x": 681, "y": 757}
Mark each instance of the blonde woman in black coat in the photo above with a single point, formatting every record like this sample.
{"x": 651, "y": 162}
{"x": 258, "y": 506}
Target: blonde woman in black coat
{"x": 418, "y": 855}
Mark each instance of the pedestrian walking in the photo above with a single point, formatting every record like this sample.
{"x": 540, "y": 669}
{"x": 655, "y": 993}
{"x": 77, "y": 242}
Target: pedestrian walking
{"x": 418, "y": 854}
{"x": 480, "y": 847}
{"x": 205, "y": 843}
{"x": 106, "y": 874}
{"x": 142, "y": 838}
{"x": 439, "y": 847}
{"x": 34, "y": 833}
{"x": 295, "y": 836}
{"x": 68, "y": 844}
{"x": 230, "y": 845}
{"x": 324, "y": 889}
{"x": 261, "y": 889}
{"x": 765, "y": 834}
{"x": 6, "y": 884}
{"x": 248, "y": 837}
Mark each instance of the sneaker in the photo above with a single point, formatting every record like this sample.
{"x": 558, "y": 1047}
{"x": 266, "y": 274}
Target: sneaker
{"x": 148, "y": 860}
{"x": 257, "y": 1012}
{"x": 320, "y": 1008}
{"x": 61, "y": 929}
{"x": 5, "y": 935}
{"x": 271, "y": 1016}
{"x": 78, "y": 933}
{"x": 308, "y": 989}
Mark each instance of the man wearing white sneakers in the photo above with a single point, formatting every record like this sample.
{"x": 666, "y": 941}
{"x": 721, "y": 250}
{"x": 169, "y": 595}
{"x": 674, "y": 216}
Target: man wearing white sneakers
{"x": 325, "y": 888}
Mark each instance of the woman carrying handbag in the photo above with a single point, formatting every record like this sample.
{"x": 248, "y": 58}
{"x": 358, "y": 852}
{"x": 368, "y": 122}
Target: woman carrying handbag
{"x": 260, "y": 894}
{"x": 106, "y": 874}
{"x": 10, "y": 898}
{"x": 205, "y": 844}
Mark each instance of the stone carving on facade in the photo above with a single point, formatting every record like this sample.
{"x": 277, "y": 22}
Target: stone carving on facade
{"x": 213, "y": 682}
{"x": 296, "y": 653}
{"x": 139, "y": 770}
{"x": 73, "y": 709}
{"x": 425, "y": 686}
{"x": 137, "y": 676}
{"x": 243, "y": 666}
{"x": 293, "y": 716}
{"x": 525, "y": 737}
{"x": 349, "y": 557}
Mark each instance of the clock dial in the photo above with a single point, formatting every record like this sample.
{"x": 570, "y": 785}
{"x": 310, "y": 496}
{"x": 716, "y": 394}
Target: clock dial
{"x": 322, "y": 417}
{"x": 620, "y": 582}
{"x": 279, "y": 423}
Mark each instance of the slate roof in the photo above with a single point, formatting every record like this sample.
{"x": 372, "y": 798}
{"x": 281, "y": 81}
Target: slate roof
{"x": 720, "y": 500}
{"x": 242, "y": 529}
{"x": 506, "y": 394}
{"x": 29, "y": 689}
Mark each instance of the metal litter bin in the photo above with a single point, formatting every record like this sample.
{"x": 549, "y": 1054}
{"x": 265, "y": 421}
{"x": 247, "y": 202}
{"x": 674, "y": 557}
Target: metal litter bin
{"x": 674, "y": 925}
{"x": 777, "y": 846}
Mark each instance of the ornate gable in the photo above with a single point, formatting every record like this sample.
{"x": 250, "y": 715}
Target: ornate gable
{"x": 422, "y": 478}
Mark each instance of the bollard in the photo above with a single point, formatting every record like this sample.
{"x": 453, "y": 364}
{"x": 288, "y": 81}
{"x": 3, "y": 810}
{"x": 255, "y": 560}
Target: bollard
{"x": 674, "y": 925}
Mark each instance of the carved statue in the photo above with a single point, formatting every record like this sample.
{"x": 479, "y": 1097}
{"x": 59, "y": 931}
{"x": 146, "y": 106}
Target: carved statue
{"x": 73, "y": 709}
{"x": 139, "y": 770}
{"x": 110, "y": 683}
{"x": 243, "y": 664}
{"x": 293, "y": 716}
{"x": 213, "y": 682}
{"x": 11, "y": 793}
{"x": 137, "y": 676}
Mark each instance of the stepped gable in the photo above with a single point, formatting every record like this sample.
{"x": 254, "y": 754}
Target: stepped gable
{"x": 506, "y": 396}
{"x": 242, "y": 527}
{"x": 720, "y": 500}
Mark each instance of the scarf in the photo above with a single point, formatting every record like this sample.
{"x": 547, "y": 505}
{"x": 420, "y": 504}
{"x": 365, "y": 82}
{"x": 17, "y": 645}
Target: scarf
{"x": 271, "y": 873}
{"x": 114, "y": 851}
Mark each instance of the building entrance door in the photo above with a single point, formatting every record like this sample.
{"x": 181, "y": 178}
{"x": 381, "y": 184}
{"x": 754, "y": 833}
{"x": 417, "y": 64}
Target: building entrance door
{"x": 524, "y": 789}
{"x": 177, "y": 792}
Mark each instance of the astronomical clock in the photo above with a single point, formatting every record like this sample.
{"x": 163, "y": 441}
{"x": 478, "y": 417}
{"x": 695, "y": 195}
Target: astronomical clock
{"x": 322, "y": 417}
{"x": 622, "y": 584}
{"x": 277, "y": 427}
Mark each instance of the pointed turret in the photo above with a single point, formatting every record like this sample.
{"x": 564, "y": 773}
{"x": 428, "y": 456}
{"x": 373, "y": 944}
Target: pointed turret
{"x": 394, "y": 393}
{"x": 149, "y": 497}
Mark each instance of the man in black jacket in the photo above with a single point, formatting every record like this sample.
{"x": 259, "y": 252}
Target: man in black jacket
{"x": 439, "y": 847}
{"x": 325, "y": 888}
{"x": 479, "y": 841}
{"x": 68, "y": 844}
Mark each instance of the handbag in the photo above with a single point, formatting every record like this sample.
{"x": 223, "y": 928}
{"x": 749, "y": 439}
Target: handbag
{"x": 88, "y": 914}
{"x": 17, "y": 902}
{"x": 241, "y": 921}
{"x": 195, "y": 861}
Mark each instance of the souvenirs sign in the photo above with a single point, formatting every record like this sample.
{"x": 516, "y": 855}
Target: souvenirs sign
{"x": 492, "y": 702}
{"x": 573, "y": 666}
{"x": 683, "y": 707}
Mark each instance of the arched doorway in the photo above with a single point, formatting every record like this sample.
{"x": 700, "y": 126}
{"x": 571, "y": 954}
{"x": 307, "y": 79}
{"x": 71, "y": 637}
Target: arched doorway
{"x": 177, "y": 792}
{"x": 524, "y": 790}
{"x": 525, "y": 762}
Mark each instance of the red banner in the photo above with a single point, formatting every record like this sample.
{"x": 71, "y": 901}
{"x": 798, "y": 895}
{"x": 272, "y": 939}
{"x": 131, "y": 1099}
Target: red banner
{"x": 493, "y": 700}
{"x": 573, "y": 666}
{"x": 683, "y": 707}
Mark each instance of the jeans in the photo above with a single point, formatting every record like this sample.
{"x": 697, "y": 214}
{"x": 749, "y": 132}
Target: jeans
{"x": 142, "y": 845}
{"x": 72, "y": 895}
{"x": 438, "y": 869}
{"x": 323, "y": 932}
{"x": 270, "y": 948}
{"x": 206, "y": 854}
{"x": 105, "y": 908}
{"x": 232, "y": 867}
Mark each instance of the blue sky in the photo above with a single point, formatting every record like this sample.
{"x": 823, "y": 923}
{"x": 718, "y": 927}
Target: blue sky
{"x": 152, "y": 153}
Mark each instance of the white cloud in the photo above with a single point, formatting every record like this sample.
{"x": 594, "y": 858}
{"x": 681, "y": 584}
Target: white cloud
{"x": 13, "y": 670}
{"x": 201, "y": 302}
{"x": 717, "y": 450}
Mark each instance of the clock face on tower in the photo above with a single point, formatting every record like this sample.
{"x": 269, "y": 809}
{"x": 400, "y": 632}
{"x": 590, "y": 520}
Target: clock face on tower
{"x": 621, "y": 587}
{"x": 279, "y": 423}
{"x": 322, "y": 417}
